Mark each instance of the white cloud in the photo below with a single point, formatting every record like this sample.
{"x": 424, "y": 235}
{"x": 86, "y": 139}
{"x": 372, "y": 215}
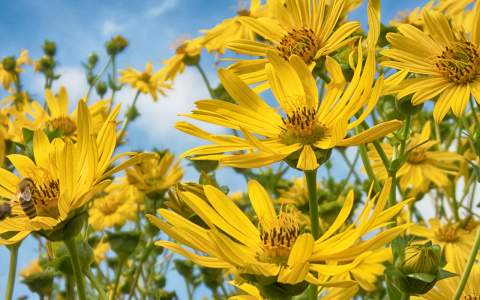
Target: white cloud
{"x": 110, "y": 27}
{"x": 157, "y": 119}
{"x": 73, "y": 79}
{"x": 162, "y": 8}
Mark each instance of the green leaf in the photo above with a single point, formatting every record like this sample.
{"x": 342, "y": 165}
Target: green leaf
{"x": 442, "y": 274}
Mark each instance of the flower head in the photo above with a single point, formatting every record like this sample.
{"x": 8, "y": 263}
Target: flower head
{"x": 10, "y": 67}
{"x": 314, "y": 33}
{"x": 45, "y": 193}
{"x": 445, "y": 61}
{"x": 186, "y": 53}
{"x": 274, "y": 246}
{"x": 146, "y": 81}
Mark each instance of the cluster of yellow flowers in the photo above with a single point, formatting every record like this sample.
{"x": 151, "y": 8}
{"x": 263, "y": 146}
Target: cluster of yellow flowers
{"x": 305, "y": 88}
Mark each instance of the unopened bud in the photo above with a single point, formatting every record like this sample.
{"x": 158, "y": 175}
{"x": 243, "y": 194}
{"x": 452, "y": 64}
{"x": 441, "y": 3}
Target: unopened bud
{"x": 49, "y": 48}
{"x": 101, "y": 88}
{"x": 9, "y": 63}
{"x": 421, "y": 259}
{"x": 92, "y": 60}
{"x": 116, "y": 45}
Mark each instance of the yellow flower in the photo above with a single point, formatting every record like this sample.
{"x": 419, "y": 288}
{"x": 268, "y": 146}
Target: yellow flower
{"x": 275, "y": 246}
{"x": 44, "y": 194}
{"x": 445, "y": 289}
{"x": 114, "y": 209}
{"x": 100, "y": 251}
{"x": 57, "y": 118}
{"x": 306, "y": 131}
{"x": 422, "y": 166}
{"x": 146, "y": 82}
{"x": 8, "y": 77}
{"x": 233, "y": 29}
{"x": 155, "y": 174}
{"x": 31, "y": 269}
{"x": 311, "y": 34}
{"x": 444, "y": 59}
{"x": 188, "y": 52}
{"x": 455, "y": 241}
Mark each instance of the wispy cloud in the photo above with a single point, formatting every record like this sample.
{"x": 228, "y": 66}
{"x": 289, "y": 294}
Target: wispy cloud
{"x": 162, "y": 8}
{"x": 110, "y": 27}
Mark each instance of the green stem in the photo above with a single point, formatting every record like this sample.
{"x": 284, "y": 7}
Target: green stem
{"x": 114, "y": 79}
{"x": 101, "y": 292}
{"x": 205, "y": 79}
{"x": 406, "y": 132}
{"x": 128, "y": 117}
{"x": 70, "y": 288}
{"x": 382, "y": 154}
{"x": 368, "y": 168}
{"x": 12, "y": 270}
{"x": 311, "y": 178}
{"x": 143, "y": 258}
{"x": 393, "y": 173}
{"x": 468, "y": 267}
{"x": 99, "y": 75}
{"x": 77, "y": 270}
{"x": 474, "y": 112}
{"x": 189, "y": 292}
{"x": 121, "y": 263}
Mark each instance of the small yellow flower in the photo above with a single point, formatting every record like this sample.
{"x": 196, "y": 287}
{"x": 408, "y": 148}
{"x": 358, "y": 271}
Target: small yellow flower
{"x": 57, "y": 118}
{"x": 156, "y": 174}
{"x": 31, "y": 269}
{"x": 444, "y": 59}
{"x": 100, "y": 251}
{"x": 423, "y": 165}
{"x": 114, "y": 209}
{"x": 188, "y": 52}
{"x": 146, "y": 81}
{"x": 7, "y": 77}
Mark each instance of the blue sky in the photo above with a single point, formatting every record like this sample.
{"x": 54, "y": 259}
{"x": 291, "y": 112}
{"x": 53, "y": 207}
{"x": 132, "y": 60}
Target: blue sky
{"x": 80, "y": 27}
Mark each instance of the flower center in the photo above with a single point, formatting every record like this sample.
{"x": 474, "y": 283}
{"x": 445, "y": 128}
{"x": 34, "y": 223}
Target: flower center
{"x": 301, "y": 42}
{"x": 39, "y": 196}
{"x": 278, "y": 237}
{"x": 447, "y": 233}
{"x": 64, "y": 124}
{"x": 108, "y": 206}
{"x": 181, "y": 49}
{"x": 417, "y": 155}
{"x": 301, "y": 126}
{"x": 145, "y": 77}
{"x": 243, "y": 12}
{"x": 460, "y": 62}
{"x": 471, "y": 297}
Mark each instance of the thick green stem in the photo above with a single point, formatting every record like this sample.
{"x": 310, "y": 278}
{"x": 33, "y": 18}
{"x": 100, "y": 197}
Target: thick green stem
{"x": 474, "y": 112}
{"x": 311, "y": 179}
{"x": 368, "y": 168}
{"x": 70, "y": 287}
{"x": 101, "y": 292}
{"x": 12, "y": 270}
{"x": 121, "y": 263}
{"x": 77, "y": 270}
{"x": 468, "y": 267}
{"x": 205, "y": 79}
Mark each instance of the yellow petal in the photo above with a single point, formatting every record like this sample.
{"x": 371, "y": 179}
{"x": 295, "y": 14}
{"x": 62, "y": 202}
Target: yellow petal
{"x": 261, "y": 202}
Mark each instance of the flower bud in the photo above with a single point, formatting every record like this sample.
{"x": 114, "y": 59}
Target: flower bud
{"x": 421, "y": 259}
{"x": 123, "y": 243}
{"x": 405, "y": 106}
{"x": 92, "y": 59}
{"x": 9, "y": 63}
{"x": 49, "y": 48}
{"x": 116, "y": 45}
{"x": 184, "y": 268}
{"x": 101, "y": 88}
{"x": 40, "y": 283}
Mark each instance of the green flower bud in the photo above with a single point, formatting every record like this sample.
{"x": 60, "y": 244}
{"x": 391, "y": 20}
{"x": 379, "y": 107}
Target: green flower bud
{"x": 387, "y": 108}
{"x": 40, "y": 283}
{"x": 405, "y": 106}
{"x": 46, "y": 63}
{"x": 49, "y": 48}
{"x": 184, "y": 268}
{"x": 160, "y": 281}
{"x": 92, "y": 59}
{"x": 101, "y": 88}
{"x": 212, "y": 278}
{"x": 123, "y": 243}
{"x": 116, "y": 45}
{"x": 421, "y": 259}
{"x": 9, "y": 63}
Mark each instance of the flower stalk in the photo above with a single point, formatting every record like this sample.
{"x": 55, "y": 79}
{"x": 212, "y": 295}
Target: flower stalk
{"x": 77, "y": 270}
{"x": 468, "y": 267}
{"x": 12, "y": 270}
